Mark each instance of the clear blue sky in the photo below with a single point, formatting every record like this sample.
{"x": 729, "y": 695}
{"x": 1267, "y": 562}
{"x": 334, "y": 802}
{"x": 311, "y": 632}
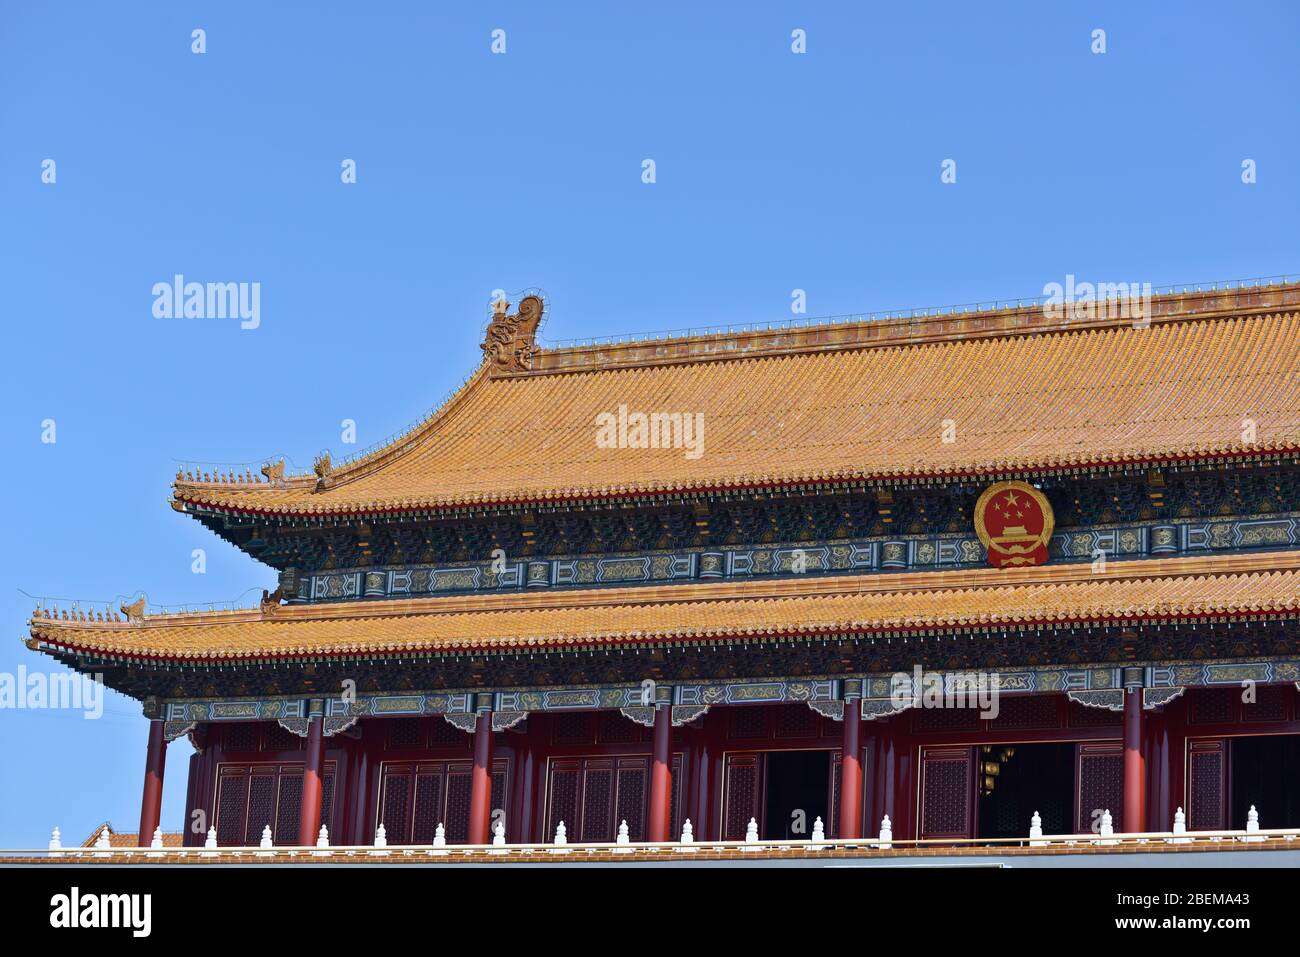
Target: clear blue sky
{"x": 476, "y": 171}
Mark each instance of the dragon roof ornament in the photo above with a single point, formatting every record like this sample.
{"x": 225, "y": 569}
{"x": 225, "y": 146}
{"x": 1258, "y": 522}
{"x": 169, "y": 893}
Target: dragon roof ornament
{"x": 511, "y": 341}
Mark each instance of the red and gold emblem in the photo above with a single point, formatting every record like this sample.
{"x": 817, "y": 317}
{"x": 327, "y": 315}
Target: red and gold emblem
{"x": 1014, "y": 520}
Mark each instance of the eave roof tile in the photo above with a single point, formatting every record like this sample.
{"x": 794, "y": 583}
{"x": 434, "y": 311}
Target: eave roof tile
{"x": 1155, "y": 589}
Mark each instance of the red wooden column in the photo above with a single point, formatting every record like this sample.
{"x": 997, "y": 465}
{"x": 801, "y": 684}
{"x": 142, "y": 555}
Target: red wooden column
{"x": 313, "y": 764}
{"x": 1156, "y": 732}
{"x": 518, "y": 820}
{"x": 702, "y": 766}
{"x": 480, "y": 795}
{"x": 661, "y": 777}
{"x": 883, "y": 765}
{"x": 1135, "y": 770}
{"x": 851, "y": 771}
{"x": 1175, "y": 721}
{"x": 151, "y": 803}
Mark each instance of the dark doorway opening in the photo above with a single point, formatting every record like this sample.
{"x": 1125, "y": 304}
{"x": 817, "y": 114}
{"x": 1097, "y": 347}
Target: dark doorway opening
{"x": 798, "y": 792}
{"x": 1016, "y": 780}
{"x": 1265, "y": 773}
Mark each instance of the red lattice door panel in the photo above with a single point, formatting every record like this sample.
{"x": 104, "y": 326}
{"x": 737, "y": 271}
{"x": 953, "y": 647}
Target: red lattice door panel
{"x": 429, "y": 798}
{"x": 289, "y": 810}
{"x": 396, "y": 798}
{"x": 564, "y": 796}
{"x": 1100, "y": 780}
{"x": 596, "y": 818}
{"x": 631, "y": 794}
{"x": 675, "y": 803}
{"x": 252, "y": 796}
{"x": 832, "y": 825}
{"x": 262, "y": 786}
{"x": 947, "y": 792}
{"x": 742, "y": 793}
{"x": 1207, "y": 784}
{"x": 455, "y": 816}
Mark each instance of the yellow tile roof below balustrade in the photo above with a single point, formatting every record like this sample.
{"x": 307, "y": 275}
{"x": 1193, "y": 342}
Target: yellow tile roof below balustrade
{"x": 121, "y": 840}
{"x": 989, "y": 394}
{"x": 987, "y": 599}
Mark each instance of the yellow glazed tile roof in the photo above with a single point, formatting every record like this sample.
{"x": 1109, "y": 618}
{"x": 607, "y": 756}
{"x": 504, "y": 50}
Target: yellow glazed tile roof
{"x": 807, "y": 410}
{"x": 126, "y": 840}
{"x": 1265, "y": 584}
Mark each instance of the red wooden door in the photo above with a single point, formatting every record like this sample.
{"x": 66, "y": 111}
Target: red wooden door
{"x": 1100, "y": 786}
{"x": 252, "y": 796}
{"x": 416, "y": 796}
{"x": 593, "y": 796}
{"x": 947, "y": 792}
{"x": 1207, "y": 784}
{"x": 742, "y": 793}
{"x": 832, "y": 824}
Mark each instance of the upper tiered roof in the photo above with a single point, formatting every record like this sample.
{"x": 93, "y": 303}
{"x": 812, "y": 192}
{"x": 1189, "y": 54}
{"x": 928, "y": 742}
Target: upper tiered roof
{"x": 1024, "y": 394}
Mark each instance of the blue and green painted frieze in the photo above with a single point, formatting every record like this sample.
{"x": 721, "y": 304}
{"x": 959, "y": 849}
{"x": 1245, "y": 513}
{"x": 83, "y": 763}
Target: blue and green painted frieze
{"x": 878, "y": 555}
{"x": 1097, "y": 686}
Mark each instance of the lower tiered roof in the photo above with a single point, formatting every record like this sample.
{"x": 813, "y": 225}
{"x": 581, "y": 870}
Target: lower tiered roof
{"x": 988, "y": 600}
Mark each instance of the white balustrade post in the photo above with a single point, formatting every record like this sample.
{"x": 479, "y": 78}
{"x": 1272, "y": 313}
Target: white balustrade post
{"x": 561, "y": 840}
{"x": 156, "y": 843}
{"x": 103, "y": 846}
{"x": 1252, "y": 823}
{"x": 440, "y": 839}
{"x": 1180, "y": 828}
{"x": 886, "y": 834}
{"x": 1036, "y": 831}
{"x": 751, "y": 835}
{"x": 818, "y": 835}
{"x": 624, "y": 837}
{"x": 1107, "y": 829}
{"x": 266, "y": 843}
{"x": 498, "y": 839}
{"x": 381, "y": 841}
{"x": 56, "y": 843}
{"x": 688, "y": 838}
{"x": 210, "y": 843}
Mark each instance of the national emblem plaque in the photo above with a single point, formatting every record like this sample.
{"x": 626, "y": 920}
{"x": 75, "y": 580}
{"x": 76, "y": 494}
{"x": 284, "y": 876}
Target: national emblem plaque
{"x": 1014, "y": 520}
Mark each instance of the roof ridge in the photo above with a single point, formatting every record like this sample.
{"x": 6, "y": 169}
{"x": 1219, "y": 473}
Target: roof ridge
{"x": 903, "y": 328}
{"x": 979, "y": 306}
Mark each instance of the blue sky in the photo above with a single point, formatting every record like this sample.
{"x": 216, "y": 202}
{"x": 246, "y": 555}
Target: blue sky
{"x": 477, "y": 171}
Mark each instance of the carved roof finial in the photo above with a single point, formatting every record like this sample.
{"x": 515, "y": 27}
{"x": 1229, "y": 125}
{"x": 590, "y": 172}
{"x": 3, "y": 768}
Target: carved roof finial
{"x": 271, "y": 600}
{"x": 511, "y": 340}
{"x": 324, "y": 468}
{"x": 135, "y": 610}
